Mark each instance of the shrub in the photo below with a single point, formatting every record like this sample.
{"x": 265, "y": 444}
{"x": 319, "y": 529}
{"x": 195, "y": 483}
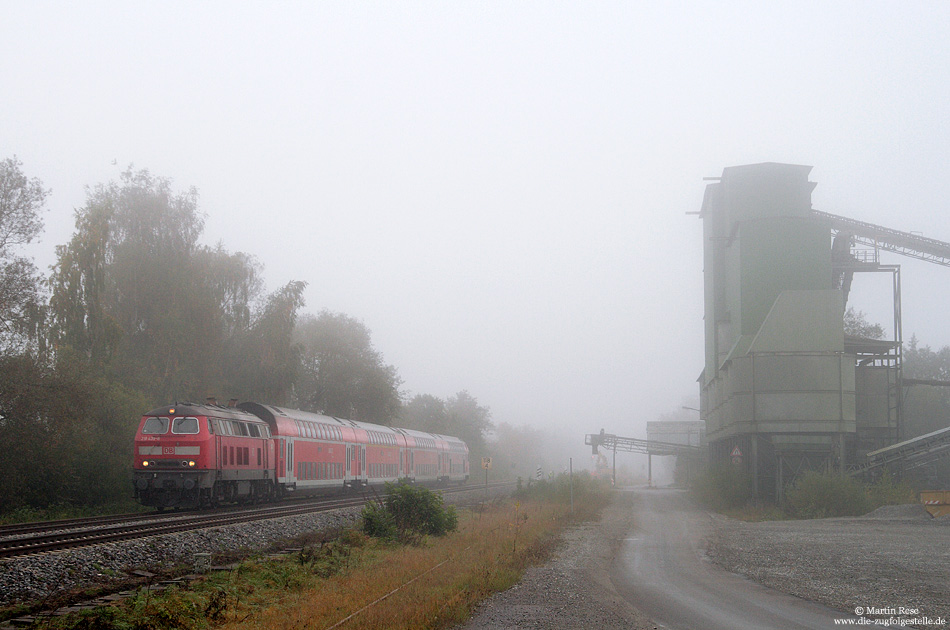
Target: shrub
{"x": 823, "y": 495}
{"x": 722, "y": 487}
{"x": 408, "y": 512}
{"x": 379, "y": 522}
{"x": 889, "y": 491}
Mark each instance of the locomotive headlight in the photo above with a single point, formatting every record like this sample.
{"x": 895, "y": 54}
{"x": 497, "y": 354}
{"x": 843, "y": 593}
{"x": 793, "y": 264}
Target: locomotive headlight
{"x": 191, "y": 463}
{"x": 145, "y": 464}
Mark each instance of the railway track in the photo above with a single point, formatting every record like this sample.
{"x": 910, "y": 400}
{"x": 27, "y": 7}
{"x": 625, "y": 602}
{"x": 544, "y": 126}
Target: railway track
{"x": 33, "y": 538}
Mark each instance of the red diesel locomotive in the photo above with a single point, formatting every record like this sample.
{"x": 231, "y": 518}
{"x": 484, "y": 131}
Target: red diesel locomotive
{"x": 191, "y": 455}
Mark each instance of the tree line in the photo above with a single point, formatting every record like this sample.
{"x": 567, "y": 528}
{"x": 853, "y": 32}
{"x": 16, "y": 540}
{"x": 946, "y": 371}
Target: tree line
{"x": 136, "y": 313}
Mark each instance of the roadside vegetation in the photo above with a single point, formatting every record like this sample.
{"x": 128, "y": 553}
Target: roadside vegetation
{"x": 413, "y": 580}
{"x": 727, "y": 489}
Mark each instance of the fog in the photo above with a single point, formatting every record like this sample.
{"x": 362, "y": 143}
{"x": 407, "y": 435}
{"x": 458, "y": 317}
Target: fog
{"x": 499, "y": 191}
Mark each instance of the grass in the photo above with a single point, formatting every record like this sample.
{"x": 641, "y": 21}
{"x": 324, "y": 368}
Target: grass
{"x": 374, "y": 583}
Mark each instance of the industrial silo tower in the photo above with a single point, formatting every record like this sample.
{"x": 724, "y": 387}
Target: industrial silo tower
{"x": 779, "y": 385}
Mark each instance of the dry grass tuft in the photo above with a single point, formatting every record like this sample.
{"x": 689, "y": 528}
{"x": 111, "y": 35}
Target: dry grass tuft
{"x": 432, "y": 586}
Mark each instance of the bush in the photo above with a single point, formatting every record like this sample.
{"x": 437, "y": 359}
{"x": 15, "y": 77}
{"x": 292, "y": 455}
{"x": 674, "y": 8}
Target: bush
{"x": 888, "y": 491}
{"x": 408, "y": 512}
{"x": 379, "y": 522}
{"x": 723, "y": 487}
{"x": 824, "y": 495}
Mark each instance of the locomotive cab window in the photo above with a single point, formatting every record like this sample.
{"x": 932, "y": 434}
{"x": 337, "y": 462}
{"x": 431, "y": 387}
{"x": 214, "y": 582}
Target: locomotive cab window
{"x": 155, "y": 426}
{"x": 254, "y": 431}
{"x": 185, "y": 425}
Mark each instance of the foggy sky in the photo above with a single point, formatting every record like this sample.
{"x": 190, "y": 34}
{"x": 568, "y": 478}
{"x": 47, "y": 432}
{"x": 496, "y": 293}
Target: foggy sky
{"x": 497, "y": 190}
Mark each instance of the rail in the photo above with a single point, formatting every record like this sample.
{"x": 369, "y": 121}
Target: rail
{"x": 60, "y": 535}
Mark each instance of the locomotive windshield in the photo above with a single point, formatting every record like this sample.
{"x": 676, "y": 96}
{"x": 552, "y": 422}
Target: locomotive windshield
{"x": 185, "y": 425}
{"x": 155, "y": 425}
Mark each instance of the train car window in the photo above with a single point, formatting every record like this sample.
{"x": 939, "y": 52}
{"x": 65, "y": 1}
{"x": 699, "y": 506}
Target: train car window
{"x": 185, "y": 425}
{"x": 211, "y": 423}
{"x": 254, "y": 430}
{"x": 155, "y": 426}
{"x": 242, "y": 428}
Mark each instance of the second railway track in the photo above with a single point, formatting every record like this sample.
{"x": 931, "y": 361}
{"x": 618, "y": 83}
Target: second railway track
{"x": 33, "y": 538}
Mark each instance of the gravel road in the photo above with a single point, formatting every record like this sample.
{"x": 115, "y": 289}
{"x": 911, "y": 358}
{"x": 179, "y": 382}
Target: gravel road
{"x": 896, "y": 557}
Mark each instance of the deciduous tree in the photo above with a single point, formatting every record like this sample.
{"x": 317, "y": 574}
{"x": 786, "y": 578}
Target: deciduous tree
{"x": 342, "y": 373}
{"x": 21, "y": 202}
{"x": 136, "y": 294}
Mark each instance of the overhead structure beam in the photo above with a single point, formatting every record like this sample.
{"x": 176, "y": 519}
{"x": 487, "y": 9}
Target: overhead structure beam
{"x": 649, "y": 448}
{"x": 882, "y": 238}
{"x": 635, "y": 445}
{"x": 908, "y": 454}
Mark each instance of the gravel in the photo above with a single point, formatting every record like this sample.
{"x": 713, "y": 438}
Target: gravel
{"x": 573, "y": 590}
{"x": 43, "y": 576}
{"x": 897, "y": 556}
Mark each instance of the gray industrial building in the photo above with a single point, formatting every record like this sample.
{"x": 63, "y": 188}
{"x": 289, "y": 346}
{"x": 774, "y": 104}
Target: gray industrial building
{"x": 784, "y": 390}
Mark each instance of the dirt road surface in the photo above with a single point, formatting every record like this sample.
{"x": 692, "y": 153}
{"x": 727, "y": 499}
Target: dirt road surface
{"x": 662, "y": 570}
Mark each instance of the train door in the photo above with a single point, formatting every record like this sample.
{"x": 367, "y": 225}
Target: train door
{"x": 402, "y": 466}
{"x": 363, "y": 461}
{"x": 412, "y": 464}
{"x": 290, "y": 460}
{"x": 346, "y": 466}
{"x": 353, "y": 462}
{"x": 281, "y": 458}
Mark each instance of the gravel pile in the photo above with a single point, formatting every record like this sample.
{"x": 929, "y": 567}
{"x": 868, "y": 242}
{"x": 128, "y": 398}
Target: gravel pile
{"x": 895, "y": 557}
{"x": 43, "y": 576}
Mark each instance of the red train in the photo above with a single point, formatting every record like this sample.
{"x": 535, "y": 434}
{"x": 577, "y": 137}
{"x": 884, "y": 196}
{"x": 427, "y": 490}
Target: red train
{"x": 192, "y": 455}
